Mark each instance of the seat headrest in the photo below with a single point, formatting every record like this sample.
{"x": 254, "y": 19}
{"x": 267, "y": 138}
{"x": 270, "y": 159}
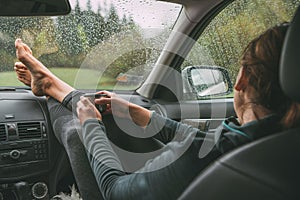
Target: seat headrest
{"x": 289, "y": 73}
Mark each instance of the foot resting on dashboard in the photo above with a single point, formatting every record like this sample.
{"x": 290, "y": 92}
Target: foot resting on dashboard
{"x": 43, "y": 81}
{"x": 23, "y": 73}
{"x": 40, "y": 80}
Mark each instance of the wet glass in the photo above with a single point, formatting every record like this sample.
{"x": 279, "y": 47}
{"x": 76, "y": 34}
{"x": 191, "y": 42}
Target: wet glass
{"x": 224, "y": 39}
{"x": 101, "y": 44}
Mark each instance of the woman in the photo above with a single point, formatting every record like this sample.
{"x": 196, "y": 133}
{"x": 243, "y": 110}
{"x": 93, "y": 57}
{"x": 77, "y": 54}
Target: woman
{"x": 259, "y": 103}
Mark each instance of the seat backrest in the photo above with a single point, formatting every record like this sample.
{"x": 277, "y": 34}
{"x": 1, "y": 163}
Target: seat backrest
{"x": 265, "y": 169}
{"x": 290, "y": 60}
{"x": 268, "y": 168}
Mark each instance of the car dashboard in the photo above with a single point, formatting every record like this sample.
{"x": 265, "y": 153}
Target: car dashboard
{"x": 31, "y": 158}
{"x": 26, "y": 140}
{"x": 33, "y": 161}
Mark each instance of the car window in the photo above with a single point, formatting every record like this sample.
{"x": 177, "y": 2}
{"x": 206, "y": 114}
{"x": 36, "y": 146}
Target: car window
{"x": 101, "y": 44}
{"x": 223, "y": 40}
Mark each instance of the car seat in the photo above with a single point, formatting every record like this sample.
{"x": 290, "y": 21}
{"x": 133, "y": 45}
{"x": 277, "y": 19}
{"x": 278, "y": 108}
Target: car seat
{"x": 268, "y": 168}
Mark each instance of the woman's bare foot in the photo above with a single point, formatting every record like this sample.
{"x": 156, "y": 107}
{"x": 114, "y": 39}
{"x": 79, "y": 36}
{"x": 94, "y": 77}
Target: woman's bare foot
{"x": 39, "y": 78}
{"x": 43, "y": 82}
{"x": 23, "y": 73}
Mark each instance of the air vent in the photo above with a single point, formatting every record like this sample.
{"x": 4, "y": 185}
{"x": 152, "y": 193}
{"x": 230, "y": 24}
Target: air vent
{"x": 2, "y": 132}
{"x": 29, "y": 130}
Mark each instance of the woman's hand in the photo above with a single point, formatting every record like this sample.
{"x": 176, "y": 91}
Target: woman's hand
{"x": 86, "y": 110}
{"x": 120, "y": 106}
{"x": 124, "y": 109}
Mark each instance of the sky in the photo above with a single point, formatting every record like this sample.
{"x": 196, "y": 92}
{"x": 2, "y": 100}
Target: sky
{"x": 147, "y": 13}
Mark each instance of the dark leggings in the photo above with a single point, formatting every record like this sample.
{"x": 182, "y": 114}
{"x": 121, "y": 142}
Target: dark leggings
{"x": 67, "y": 130}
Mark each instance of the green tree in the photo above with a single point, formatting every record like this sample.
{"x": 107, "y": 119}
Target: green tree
{"x": 77, "y": 9}
{"x": 93, "y": 25}
{"x": 89, "y": 6}
{"x": 37, "y": 32}
{"x": 229, "y": 33}
{"x": 113, "y": 24}
{"x": 67, "y": 34}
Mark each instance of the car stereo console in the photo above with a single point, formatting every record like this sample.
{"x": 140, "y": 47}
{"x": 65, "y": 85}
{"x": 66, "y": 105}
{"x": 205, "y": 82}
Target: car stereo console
{"x": 24, "y": 149}
{"x": 23, "y": 142}
{"x": 23, "y": 134}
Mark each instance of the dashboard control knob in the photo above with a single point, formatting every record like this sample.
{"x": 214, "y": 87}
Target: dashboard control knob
{"x": 15, "y": 154}
{"x": 39, "y": 190}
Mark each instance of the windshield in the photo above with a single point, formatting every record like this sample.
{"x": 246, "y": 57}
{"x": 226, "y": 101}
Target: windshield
{"x": 102, "y": 44}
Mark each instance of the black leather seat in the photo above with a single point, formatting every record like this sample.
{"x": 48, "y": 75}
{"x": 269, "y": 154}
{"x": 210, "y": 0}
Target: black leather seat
{"x": 268, "y": 168}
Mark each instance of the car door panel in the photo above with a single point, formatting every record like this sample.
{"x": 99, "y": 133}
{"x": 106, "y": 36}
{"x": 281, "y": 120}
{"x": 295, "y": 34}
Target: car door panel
{"x": 200, "y": 114}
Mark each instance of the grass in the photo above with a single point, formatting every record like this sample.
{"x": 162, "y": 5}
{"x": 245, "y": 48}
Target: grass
{"x": 78, "y": 78}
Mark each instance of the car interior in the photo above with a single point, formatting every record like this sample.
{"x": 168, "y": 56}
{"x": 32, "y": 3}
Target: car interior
{"x": 34, "y": 165}
{"x": 267, "y": 168}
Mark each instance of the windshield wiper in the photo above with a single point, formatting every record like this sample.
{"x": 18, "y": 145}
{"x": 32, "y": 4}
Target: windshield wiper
{"x": 7, "y": 89}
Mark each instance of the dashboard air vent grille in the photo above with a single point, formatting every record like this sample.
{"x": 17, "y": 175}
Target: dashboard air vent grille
{"x": 2, "y": 132}
{"x": 29, "y": 130}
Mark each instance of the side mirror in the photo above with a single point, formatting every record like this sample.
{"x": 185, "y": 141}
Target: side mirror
{"x": 34, "y": 7}
{"x": 205, "y": 81}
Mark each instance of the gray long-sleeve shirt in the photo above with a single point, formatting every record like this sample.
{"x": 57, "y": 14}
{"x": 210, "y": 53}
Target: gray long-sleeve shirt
{"x": 181, "y": 160}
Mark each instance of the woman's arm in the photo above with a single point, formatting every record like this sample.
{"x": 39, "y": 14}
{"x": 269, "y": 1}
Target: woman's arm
{"x": 124, "y": 109}
{"x": 154, "y": 125}
{"x": 163, "y": 177}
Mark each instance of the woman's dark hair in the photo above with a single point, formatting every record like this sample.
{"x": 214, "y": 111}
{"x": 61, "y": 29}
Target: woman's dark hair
{"x": 261, "y": 62}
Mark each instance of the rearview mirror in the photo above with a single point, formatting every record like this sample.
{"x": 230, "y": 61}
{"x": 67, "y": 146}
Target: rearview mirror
{"x": 206, "y": 81}
{"x": 34, "y": 7}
